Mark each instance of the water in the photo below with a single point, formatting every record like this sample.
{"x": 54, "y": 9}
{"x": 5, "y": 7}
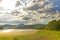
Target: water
{"x": 11, "y": 30}
{"x": 17, "y": 32}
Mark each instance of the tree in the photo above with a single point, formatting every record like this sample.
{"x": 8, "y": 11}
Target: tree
{"x": 53, "y": 25}
{"x": 58, "y": 25}
{"x": 1, "y": 28}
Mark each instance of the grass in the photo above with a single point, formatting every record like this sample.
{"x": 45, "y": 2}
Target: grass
{"x": 40, "y": 35}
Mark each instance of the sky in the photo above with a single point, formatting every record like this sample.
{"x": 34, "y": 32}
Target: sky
{"x": 28, "y": 12}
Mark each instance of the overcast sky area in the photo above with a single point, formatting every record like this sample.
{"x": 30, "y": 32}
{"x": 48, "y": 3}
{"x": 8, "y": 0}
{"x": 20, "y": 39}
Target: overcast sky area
{"x": 15, "y": 12}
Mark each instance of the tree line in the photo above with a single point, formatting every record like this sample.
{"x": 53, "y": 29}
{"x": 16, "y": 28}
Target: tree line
{"x": 53, "y": 25}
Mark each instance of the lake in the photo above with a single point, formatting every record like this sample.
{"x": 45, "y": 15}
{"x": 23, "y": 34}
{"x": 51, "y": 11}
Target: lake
{"x": 17, "y": 32}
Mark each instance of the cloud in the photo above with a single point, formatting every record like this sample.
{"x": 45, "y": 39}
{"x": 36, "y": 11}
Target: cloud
{"x": 29, "y": 12}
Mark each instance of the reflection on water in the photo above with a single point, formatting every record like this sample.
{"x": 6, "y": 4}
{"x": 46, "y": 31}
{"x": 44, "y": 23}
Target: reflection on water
{"x": 17, "y": 32}
{"x": 11, "y": 30}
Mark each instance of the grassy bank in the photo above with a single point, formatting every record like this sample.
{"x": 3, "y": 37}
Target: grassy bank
{"x": 40, "y": 35}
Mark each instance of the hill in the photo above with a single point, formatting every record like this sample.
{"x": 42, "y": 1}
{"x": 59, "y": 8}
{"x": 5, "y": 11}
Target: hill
{"x": 21, "y": 26}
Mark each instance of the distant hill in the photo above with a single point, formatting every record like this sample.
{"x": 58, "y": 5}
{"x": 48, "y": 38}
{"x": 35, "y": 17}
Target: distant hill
{"x": 21, "y": 26}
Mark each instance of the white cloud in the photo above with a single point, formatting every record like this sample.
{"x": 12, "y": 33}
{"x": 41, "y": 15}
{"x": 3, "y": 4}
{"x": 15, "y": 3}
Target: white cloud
{"x": 38, "y": 15}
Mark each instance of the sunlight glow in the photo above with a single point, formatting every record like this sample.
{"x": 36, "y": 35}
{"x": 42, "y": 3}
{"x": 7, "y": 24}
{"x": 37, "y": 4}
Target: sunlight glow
{"x": 8, "y": 4}
{"x": 9, "y": 30}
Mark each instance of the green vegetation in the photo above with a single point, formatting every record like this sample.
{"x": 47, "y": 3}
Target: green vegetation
{"x": 45, "y": 32}
{"x": 41, "y": 35}
{"x": 53, "y": 25}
